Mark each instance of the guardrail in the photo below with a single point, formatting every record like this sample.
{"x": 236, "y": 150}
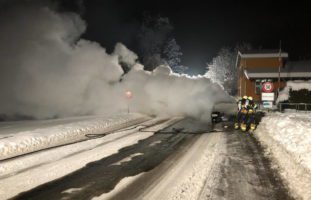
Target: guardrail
{"x": 294, "y": 106}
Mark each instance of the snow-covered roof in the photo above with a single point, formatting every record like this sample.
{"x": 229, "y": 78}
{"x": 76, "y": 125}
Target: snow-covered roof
{"x": 300, "y": 69}
{"x": 260, "y": 53}
{"x": 263, "y": 53}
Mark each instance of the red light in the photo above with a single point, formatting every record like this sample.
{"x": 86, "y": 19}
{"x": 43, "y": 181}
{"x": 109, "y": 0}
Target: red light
{"x": 128, "y": 94}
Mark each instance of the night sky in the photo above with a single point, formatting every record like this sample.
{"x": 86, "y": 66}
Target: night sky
{"x": 201, "y": 28}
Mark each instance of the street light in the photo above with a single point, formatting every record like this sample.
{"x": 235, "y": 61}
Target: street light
{"x": 129, "y": 96}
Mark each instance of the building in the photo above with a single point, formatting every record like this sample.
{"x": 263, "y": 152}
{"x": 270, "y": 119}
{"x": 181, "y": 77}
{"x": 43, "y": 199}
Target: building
{"x": 257, "y": 67}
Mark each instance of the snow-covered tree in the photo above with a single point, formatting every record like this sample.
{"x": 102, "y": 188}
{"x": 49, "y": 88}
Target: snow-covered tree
{"x": 157, "y": 45}
{"x": 181, "y": 69}
{"x": 172, "y": 55}
{"x": 222, "y": 69}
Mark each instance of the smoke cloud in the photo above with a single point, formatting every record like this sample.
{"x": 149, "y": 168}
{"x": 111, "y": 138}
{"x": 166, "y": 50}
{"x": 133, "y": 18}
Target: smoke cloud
{"x": 47, "y": 71}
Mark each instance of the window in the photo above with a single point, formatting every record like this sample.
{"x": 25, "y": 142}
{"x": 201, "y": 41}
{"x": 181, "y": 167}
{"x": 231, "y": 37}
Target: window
{"x": 257, "y": 87}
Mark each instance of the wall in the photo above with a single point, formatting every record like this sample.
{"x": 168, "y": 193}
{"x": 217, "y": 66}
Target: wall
{"x": 259, "y": 62}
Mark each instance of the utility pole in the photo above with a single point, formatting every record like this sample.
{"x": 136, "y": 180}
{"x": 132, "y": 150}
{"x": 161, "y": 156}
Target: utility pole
{"x": 280, "y": 65}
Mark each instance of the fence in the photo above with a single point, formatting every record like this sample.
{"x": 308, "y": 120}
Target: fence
{"x": 294, "y": 106}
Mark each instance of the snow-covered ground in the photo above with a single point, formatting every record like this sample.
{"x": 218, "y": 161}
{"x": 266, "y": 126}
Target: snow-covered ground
{"x": 32, "y": 170}
{"x": 187, "y": 177}
{"x": 287, "y": 137}
{"x": 18, "y": 138}
{"x": 195, "y": 175}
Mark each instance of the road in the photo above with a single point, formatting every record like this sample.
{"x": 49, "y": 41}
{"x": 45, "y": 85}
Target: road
{"x": 187, "y": 160}
{"x": 245, "y": 173}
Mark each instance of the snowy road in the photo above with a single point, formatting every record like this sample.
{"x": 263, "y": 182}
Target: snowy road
{"x": 245, "y": 173}
{"x": 185, "y": 160}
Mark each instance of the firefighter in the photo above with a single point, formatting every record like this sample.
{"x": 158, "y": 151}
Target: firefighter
{"x": 241, "y": 111}
{"x": 251, "y": 111}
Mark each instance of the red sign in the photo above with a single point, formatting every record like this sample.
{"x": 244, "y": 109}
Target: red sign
{"x": 267, "y": 87}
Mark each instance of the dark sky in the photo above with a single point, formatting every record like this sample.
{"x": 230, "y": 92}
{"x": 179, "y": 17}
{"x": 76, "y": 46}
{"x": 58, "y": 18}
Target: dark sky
{"x": 201, "y": 28}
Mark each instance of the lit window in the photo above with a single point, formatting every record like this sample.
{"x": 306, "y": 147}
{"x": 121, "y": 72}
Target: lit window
{"x": 257, "y": 87}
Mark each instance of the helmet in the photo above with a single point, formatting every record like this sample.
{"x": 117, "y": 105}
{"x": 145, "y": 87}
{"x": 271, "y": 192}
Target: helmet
{"x": 250, "y": 98}
{"x": 244, "y": 97}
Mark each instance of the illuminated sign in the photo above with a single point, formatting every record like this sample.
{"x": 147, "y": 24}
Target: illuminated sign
{"x": 267, "y": 87}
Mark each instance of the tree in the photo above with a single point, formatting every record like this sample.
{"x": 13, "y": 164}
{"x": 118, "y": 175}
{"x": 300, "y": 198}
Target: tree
{"x": 222, "y": 69}
{"x": 153, "y": 36}
{"x": 172, "y": 53}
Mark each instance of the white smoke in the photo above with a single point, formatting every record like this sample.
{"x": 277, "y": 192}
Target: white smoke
{"x": 47, "y": 71}
{"x": 163, "y": 92}
{"x": 125, "y": 55}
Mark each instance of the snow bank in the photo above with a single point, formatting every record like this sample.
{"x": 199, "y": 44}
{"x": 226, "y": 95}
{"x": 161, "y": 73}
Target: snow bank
{"x": 23, "y": 142}
{"x": 287, "y": 137}
{"x": 284, "y": 95}
{"x": 294, "y": 85}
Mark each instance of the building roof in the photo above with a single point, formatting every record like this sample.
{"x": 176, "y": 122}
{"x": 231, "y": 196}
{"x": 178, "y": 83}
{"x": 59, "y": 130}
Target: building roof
{"x": 300, "y": 69}
{"x": 263, "y": 53}
{"x": 256, "y": 51}
{"x": 260, "y": 53}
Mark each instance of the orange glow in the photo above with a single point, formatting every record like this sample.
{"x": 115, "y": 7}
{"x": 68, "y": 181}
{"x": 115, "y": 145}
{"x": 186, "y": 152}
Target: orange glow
{"x": 128, "y": 94}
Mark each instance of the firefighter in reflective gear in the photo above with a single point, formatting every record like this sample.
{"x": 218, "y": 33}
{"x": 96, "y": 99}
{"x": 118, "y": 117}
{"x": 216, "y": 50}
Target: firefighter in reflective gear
{"x": 251, "y": 110}
{"x": 241, "y": 111}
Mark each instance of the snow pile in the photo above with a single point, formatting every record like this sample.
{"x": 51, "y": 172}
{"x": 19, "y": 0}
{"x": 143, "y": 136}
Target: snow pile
{"x": 293, "y": 85}
{"x": 299, "y": 85}
{"x": 283, "y": 95}
{"x": 287, "y": 137}
{"x": 34, "y": 140}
